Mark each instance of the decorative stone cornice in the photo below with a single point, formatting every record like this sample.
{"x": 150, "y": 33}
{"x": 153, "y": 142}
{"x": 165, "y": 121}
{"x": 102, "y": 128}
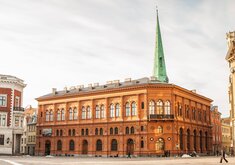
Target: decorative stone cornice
{"x": 12, "y": 80}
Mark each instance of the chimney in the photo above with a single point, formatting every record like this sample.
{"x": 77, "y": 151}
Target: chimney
{"x": 194, "y": 91}
{"x": 127, "y": 79}
{"x": 54, "y": 91}
{"x": 96, "y": 84}
{"x": 65, "y": 90}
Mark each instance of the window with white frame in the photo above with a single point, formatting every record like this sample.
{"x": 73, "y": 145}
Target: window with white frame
{"x": 88, "y": 112}
{"x": 75, "y": 113}
{"x": 83, "y": 113}
{"x": 102, "y": 111}
{"x": 97, "y": 112}
{"x": 117, "y": 108}
{"x": 3, "y": 100}
{"x": 62, "y": 114}
{"x": 111, "y": 110}
{"x": 3, "y": 120}
{"x": 128, "y": 112}
{"x": 70, "y": 114}
{"x": 133, "y": 109}
{"x": 17, "y": 101}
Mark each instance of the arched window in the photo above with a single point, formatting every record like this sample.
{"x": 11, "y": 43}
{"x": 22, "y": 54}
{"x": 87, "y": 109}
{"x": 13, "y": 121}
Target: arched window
{"x": 82, "y": 132}
{"x": 61, "y": 132}
{"x": 127, "y": 130}
{"x": 58, "y": 115}
{"x": 51, "y": 115}
{"x": 133, "y": 109}
{"x": 88, "y": 112}
{"x": 132, "y": 130}
{"x": 167, "y": 108}
{"x": 69, "y": 132}
{"x": 47, "y": 115}
{"x": 160, "y": 107}
{"x": 206, "y": 136}
{"x": 111, "y": 112}
{"x": 142, "y": 144}
{"x": 83, "y": 112}
{"x": 70, "y": 114}
{"x": 128, "y": 112}
{"x": 159, "y": 129}
{"x": 111, "y": 131}
{"x": 160, "y": 144}
{"x": 181, "y": 139}
{"x": 151, "y": 107}
{"x": 73, "y": 132}
{"x": 114, "y": 145}
{"x": 96, "y": 131}
{"x": 195, "y": 140}
{"x": 102, "y": 115}
{"x": 59, "y": 145}
{"x": 188, "y": 139}
{"x": 71, "y": 145}
{"x": 117, "y": 110}
{"x": 201, "y": 145}
{"x": 57, "y": 132}
{"x": 87, "y": 132}
{"x": 99, "y": 145}
{"x": 116, "y": 131}
{"x": 62, "y": 114}
{"x": 97, "y": 112}
{"x": 75, "y": 113}
{"x": 101, "y": 131}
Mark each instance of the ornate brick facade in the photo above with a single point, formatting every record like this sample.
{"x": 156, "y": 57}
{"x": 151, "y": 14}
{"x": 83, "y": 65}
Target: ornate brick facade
{"x": 152, "y": 118}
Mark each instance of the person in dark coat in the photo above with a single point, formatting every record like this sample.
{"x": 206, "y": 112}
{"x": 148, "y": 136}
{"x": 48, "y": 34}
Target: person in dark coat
{"x": 223, "y": 156}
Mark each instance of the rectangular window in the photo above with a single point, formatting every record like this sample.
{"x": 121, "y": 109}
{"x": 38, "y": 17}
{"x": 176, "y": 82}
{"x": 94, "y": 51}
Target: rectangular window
{"x": 2, "y": 120}
{"x": 16, "y": 121}
{"x": 1, "y": 139}
{"x": 3, "y": 100}
{"x": 17, "y": 102}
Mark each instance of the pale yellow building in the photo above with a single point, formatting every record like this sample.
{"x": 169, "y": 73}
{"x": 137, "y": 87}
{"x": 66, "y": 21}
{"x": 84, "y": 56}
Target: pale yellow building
{"x": 226, "y": 134}
{"x": 230, "y": 57}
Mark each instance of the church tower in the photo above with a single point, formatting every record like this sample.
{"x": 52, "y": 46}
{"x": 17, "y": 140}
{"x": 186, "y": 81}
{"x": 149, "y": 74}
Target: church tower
{"x": 230, "y": 57}
{"x": 159, "y": 70}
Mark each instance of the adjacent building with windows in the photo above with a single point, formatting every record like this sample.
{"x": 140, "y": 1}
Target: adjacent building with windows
{"x": 11, "y": 114}
{"x": 226, "y": 135}
{"x": 216, "y": 130}
{"x": 147, "y": 116}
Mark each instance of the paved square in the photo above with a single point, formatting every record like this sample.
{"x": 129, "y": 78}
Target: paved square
{"x": 24, "y": 160}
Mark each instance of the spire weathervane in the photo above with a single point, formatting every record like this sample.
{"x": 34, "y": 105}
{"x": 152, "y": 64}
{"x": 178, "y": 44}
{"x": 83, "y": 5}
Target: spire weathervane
{"x": 159, "y": 70}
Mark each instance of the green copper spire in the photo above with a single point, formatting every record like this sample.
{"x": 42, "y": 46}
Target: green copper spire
{"x": 159, "y": 70}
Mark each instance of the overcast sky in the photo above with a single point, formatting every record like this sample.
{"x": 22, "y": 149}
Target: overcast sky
{"x": 58, "y": 43}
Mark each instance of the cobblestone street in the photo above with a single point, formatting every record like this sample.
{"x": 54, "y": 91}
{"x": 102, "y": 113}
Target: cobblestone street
{"x": 22, "y": 160}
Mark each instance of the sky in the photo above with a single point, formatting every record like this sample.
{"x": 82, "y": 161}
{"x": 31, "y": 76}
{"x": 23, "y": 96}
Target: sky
{"x": 57, "y": 43}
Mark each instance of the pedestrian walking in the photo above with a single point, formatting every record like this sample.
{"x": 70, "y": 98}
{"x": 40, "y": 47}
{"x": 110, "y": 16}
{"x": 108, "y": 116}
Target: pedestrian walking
{"x": 223, "y": 156}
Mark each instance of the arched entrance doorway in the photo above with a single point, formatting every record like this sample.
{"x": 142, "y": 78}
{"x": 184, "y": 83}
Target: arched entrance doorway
{"x": 130, "y": 147}
{"x": 47, "y": 147}
{"x": 85, "y": 147}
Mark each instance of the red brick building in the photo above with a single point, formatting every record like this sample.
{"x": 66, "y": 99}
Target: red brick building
{"x": 11, "y": 114}
{"x": 141, "y": 117}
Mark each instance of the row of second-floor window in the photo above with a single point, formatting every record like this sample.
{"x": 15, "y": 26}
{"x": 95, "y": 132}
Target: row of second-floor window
{"x": 86, "y": 112}
{"x": 3, "y": 100}
{"x": 159, "y": 107}
{"x": 192, "y": 113}
{"x": 100, "y": 131}
{"x": 2, "y": 120}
